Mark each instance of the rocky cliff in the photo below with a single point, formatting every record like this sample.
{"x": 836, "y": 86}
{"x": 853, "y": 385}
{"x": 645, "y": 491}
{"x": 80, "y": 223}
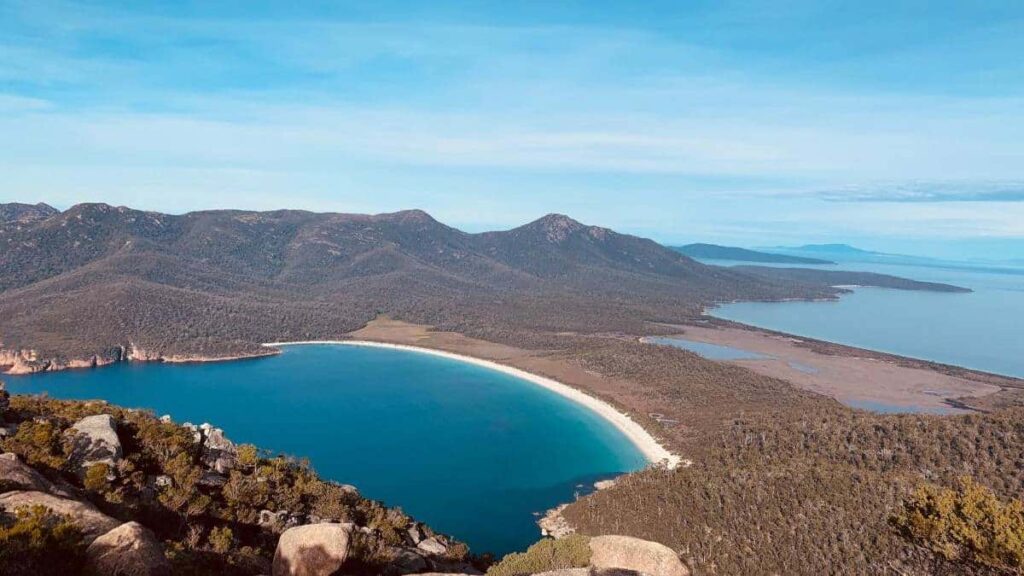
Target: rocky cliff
{"x": 108, "y": 487}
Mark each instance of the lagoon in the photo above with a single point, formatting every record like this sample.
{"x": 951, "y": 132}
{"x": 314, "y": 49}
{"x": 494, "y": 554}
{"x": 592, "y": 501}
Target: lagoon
{"x": 981, "y": 330}
{"x": 471, "y": 451}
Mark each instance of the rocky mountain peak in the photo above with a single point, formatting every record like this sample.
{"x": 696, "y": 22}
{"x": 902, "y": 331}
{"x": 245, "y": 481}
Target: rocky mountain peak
{"x": 556, "y": 228}
{"x": 26, "y": 213}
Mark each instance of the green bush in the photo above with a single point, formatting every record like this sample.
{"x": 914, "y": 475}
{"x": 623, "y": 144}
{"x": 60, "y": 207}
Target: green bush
{"x": 966, "y": 523}
{"x": 40, "y": 543}
{"x": 96, "y": 477}
{"x": 221, "y": 539}
{"x": 569, "y": 552}
{"x": 39, "y": 443}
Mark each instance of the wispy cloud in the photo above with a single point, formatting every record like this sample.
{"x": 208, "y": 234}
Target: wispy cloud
{"x": 709, "y": 119}
{"x": 964, "y": 191}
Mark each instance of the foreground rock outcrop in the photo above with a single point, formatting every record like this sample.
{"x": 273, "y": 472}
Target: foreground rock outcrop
{"x": 94, "y": 440}
{"x": 641, "y": 556}
{"x": 89, "y": 520}
{"x": 117, "y": 491}
{"x": 312, "y": 550}
{"x": 579, "y": 555}
{"x": 16, "y": 475}
{"x": 128, "y": 550}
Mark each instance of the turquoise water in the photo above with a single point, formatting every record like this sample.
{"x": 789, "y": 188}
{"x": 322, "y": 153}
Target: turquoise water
{"x": 471, "y": 451}
{"x": 983, "y": 330}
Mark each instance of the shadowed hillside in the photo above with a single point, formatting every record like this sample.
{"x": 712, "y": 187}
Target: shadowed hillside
{"x": 115, "y": 282}
{"x": 17, "y": 213}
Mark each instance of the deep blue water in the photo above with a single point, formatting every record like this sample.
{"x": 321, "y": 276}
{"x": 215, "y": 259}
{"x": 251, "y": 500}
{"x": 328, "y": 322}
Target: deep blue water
{"x": 470, "y": 451}
{"x": 983, "y": 330}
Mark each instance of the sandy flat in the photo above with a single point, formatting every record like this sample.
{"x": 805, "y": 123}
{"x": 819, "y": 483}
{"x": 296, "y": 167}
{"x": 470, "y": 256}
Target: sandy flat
{"x": 849, "y": 379}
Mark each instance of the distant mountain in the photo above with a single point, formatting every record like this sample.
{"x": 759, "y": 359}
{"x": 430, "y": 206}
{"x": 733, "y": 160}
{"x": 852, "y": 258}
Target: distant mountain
{"x": 847, "y": 253}
{"x": 833, "y": 248}
{"x": 716, "y": 252}
{"x": 25, "y": 213}
{"x": 97, "y": 282}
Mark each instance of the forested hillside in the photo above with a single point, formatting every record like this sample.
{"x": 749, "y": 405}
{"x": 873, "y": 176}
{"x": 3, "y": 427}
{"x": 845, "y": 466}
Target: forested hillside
{"x": 105, "y": 282}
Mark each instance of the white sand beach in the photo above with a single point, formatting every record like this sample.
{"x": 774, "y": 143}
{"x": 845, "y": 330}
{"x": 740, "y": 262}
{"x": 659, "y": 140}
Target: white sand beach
{"x": 651, "y": 449}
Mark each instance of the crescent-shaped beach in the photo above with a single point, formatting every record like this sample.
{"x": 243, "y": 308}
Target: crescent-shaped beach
{"x": 649, "y": 447}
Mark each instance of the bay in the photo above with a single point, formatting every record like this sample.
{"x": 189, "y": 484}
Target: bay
{"x": 473, "y": 452}
{"x": 983, "y": 330}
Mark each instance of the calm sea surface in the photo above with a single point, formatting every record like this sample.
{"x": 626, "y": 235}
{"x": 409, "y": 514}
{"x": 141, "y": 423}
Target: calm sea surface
{"x": 472, "y": 452}
{"x": 983, "y": 330}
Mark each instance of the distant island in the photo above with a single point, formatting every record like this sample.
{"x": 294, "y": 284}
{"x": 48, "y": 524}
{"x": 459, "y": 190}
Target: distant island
{"x": 717, "y": 252}
{"x": 827, "y": 249}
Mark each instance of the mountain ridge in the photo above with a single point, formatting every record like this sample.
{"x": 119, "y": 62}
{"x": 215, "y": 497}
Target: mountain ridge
{"x": 82, "y": 286}
{"x": 85, "y": 283}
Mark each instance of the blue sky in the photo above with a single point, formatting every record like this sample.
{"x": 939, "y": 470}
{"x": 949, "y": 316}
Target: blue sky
{"x": 891, "y": 125}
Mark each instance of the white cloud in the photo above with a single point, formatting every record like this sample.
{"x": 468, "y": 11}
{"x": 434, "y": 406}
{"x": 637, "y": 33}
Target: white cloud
{"x": 355, "y": 116}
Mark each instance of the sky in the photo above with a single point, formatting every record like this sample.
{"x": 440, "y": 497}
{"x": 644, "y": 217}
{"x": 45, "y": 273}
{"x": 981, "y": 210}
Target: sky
{"x": 895, "y": 126}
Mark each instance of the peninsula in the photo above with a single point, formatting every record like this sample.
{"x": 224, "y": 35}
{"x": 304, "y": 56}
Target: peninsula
{"x": 567, "y": 303}
{"x": 717, "y": 252}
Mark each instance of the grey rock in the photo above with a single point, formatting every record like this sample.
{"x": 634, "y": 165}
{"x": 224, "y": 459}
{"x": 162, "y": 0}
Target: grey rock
{"x": 415, "y": 533}
{"x": 405, "y": 561}
{"x": 130, "y": 549}
{"x": 312, "y": 550}
{"x": 94, "y": 441}
{"x": 280, "y": 520}
{"x": 642, "y": 556}
{"x": 89, "y": 520}
{"x": 432, "y": 546}
{"x": 219, "y": 453}
{"x": 15, "y": 475}
{"x": 211, "y": 479}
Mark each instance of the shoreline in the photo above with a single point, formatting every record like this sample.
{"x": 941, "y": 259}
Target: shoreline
{"x": 645, "y": 443}
{"x": 855, "y": 377}
{"x": 21, "y": 367}
{"x": 834, "y": 348}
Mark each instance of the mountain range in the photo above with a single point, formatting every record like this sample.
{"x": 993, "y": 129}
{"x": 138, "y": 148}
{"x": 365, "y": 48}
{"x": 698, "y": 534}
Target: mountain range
{"x": 96, "y": 282}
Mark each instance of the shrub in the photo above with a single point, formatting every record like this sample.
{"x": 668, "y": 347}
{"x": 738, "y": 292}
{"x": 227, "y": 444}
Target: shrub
{"x": 96, "y": 477}
{"x": 41, "y": 543}
{"x": 38, "y": 443}
{"x": 248, "y": 456}
{"x": 221, "y": 539}
{"x": 965, "y": 523}
{"x": 570, "y": 552}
